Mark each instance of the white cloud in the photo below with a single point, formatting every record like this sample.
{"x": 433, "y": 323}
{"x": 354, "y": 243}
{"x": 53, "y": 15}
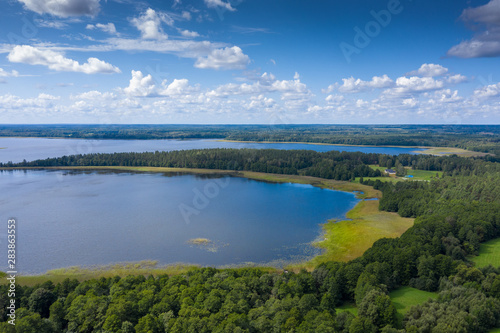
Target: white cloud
{"x": 352, "y": 85}
{"x": 188, "y": 33}
{"x": 149, "y": 24}
{"x": 145, "y": 86}
{"x": 94, "y": 95}
{"x": 109, "y": 28}
{"x": 140, "y": 85}
{"x": 219, "y": 3}
{"x": 485, "y": 20}
{"x": 492, "y": 90}
{"x": 414, "y": 84}
{"x": 456, "y": 79}
{"x": 63, "y": 8}
{"x": 334, "y": 99}
{"x": 186, "y": 15}
{"x": 445, "y": 96}
{"x": 226, "y": 58}
{"x": 56, "y": 61}
{"x": 51, "y": 24}
{"x": 429, "y": 70}
{"x": 4, "y": 73}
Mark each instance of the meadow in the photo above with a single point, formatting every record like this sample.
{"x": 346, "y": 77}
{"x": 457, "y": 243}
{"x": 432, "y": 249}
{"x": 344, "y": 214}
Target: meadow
{"x": 489, "y": 254}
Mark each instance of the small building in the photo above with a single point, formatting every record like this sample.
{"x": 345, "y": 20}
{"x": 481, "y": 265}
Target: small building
{"x": 390, "y": 171}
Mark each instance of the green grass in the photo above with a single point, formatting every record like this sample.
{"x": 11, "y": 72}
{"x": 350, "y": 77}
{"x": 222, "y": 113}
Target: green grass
{"x": 418, "y": 175}
{"x": 406, "y": 297}
{"x": 489, "y": 254}
{"x": 348, "y": 240}
{"x": 495, "y": 330}
{"x": 423, "y": 174}
{"x": 443, "y": 151}
{"x": 403, "y": 299}
{"x": 348, "y": 307}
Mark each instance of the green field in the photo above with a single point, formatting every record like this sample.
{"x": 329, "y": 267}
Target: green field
{"x": 418, "y": 175}
{"x": 348, "y": 307}
{"x": 406, "y": 297}
{"x": 403, "y": 299}
{"x": 489, "y": 254}
{"x": 423, "y": 174}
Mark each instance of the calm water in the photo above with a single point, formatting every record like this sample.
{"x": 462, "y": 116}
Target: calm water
{"x": 17, "y": 149}
{"x": 67, "y": 218}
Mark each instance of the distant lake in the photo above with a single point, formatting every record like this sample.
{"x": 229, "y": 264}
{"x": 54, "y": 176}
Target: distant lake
{"x": 17, "y": 149}
{"x": 67, "y": 218}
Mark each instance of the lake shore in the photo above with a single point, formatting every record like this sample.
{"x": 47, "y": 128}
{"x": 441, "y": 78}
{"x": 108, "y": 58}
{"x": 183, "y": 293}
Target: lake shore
{"x": 342, "y": 240}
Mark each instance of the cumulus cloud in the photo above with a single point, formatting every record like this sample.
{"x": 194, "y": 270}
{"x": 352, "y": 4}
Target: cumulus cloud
{"x": 485, "y": 20}
{"x": 109, "y": 28}
{"x": 149, "y": 24}
{"x": 294, "y": 94}
{"x": 57, "y": 61}
{"x": 226, "y": 58}
{"x": 352, "y": 85}
{"x": 188, "y": 33}
{"x": 429, "y": 70}
{"x": 63, "y": 8}
{"x": 405, "y": 85}
{"x": 219, "y": 4}
{"x": 145, "y": 86}
{"x": 140, "y": 85}
{"x": 492, "y": 90}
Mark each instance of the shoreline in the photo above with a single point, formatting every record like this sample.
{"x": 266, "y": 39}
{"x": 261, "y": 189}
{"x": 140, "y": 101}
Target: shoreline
{"x": 362, "y": 222}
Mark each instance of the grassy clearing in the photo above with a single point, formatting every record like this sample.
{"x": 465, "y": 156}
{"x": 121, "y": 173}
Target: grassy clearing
{"x": 450, "y": 151}
{"x": 406, "y": 297}
{"x": 347, "y": 240}
{"x": 348, "y": 307}
{"x": 403, "y": 299}
{"x": 489, "y": 254}
{"x": 418, "y": 175}
{"x": 495, "y": 330}
{"x": 423, "y": 174}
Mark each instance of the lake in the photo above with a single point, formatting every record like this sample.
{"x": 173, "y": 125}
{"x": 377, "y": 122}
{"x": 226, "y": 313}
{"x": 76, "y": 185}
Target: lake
{"x": 17, "y": 149}
{"x": 68, "y": 218}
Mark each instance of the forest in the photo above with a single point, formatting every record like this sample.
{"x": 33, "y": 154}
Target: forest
{"x": 454, "y": 215}
{"x": 330, "y": 165}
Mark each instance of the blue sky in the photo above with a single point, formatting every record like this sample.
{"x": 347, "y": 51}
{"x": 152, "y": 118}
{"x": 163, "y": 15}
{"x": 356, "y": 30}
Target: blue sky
{"x": 250, "y": 61}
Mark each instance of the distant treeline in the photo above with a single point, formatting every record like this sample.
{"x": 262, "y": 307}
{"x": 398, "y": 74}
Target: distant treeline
{"x": 330, "y": 165}
{"x": 453, "y": 216}
{"x": 484, "y": 138}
